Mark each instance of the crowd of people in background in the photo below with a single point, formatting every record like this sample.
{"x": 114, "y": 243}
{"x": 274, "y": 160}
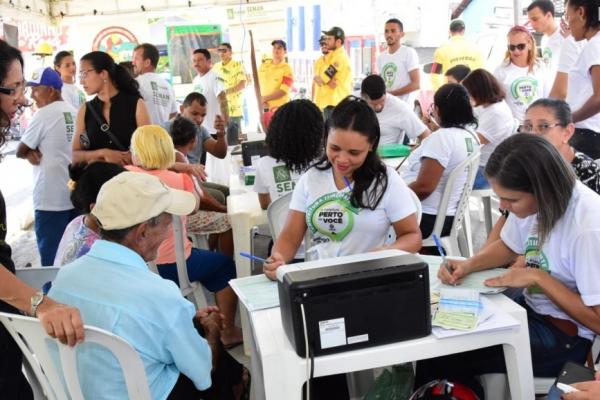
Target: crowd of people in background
{"x": 115, "y": 161}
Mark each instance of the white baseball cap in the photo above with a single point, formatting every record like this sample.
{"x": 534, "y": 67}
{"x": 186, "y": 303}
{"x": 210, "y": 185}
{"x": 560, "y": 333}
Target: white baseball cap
{"x": 131, "y": 198}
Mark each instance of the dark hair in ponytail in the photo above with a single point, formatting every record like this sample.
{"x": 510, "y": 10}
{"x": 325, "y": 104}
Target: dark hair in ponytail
{"x": 119, "y": 76}
{"x": 60, "y": 56}
{"x": 370, "y": 180}
{"x": 88, "y": 181}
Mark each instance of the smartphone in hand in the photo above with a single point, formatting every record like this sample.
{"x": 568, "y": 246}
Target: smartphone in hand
{"x": 569, "y": 374}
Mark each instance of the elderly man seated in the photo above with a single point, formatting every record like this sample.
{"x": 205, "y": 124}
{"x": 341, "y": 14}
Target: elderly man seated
{"x": 114, "y": 290}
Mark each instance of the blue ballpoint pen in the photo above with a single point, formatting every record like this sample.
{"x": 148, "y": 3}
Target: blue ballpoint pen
{"x": 253, "y": 258}
{"x": 347, "y": 182}
{"x": 441, "y": 251}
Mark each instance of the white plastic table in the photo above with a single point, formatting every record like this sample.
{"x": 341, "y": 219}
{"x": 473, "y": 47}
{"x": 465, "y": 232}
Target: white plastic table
{"x": 279, "y": 373}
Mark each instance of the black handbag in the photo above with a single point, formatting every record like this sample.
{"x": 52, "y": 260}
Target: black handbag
{"x": 84, "y": 140}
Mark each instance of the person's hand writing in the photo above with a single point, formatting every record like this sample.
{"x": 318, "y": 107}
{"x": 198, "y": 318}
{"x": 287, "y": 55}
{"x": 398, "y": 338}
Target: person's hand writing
{"x": 273, "y": 262}
{"x": 61, "y": 321}
{"x": 516, "y": 277}
{"x": 34, "y": 157}
{"x": 453, "y": 271}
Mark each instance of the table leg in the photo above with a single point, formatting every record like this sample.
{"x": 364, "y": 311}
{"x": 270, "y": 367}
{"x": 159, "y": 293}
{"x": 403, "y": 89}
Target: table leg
{"x": 517, "y": 355}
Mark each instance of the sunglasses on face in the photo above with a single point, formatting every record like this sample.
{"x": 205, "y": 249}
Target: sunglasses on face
{"x": 520, "y": 47}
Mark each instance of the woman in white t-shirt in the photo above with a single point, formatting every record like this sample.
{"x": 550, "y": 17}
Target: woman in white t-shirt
{"x": 349, "y": 199}
{"x": 430, "y": 164}
{"x": 523, "y": 77}
{"x": 494, "y": 118}
{"x": 64, "y": 64}
{"x": 583, "y": 93}
{"x": 555, "y": 223}
{"x": 294, "y": 140}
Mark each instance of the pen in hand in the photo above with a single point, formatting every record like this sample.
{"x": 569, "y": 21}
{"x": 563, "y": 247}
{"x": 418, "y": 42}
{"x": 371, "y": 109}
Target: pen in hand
{"x": 253, "y": 258}
{"x": 442, "y": 253}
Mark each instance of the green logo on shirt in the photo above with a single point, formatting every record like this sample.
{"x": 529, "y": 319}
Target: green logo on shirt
{"x": 332, "y": 216}
{"x": 388, "y": 73}
{"x": 154, "y": 85}
{"x": 535, "y": 258}
{"x": 283, "y": 179}
{"x": 68, "y": 118}
{"x": 469, "y": 142}
{"x": 524, "y": 90}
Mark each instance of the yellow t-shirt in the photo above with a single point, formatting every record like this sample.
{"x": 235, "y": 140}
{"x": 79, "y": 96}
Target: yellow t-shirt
{"x": 232, "y": 74}
{"x": 318, "y": 69}
{"x": 273, "y": 77}
{"x": 456, "y": 51}
{"x": 336, "y": 66}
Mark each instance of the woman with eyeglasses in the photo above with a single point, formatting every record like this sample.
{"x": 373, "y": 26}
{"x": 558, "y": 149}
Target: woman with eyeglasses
{"x": 583, "y": 93}
{"x": 554, "y": 223}
{"x": 64, "y": 64}
{"x": 552, "y": 120}
{"x": 105, "y": 124}
{"x": 524, "y": 78}
{"x": 430, "y": 164}
{"x": 349, "y": 198}
{"x": 495, "y": 120}
{"x": 57, "y": 319}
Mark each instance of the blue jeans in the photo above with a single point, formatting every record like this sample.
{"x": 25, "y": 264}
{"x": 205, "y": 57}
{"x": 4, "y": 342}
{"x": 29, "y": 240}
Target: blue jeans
{"x": 214, "y": 270}
{"x": 481, "y": 181}
{"x": 551, "y": 348}
{"x": 49, "y": 228}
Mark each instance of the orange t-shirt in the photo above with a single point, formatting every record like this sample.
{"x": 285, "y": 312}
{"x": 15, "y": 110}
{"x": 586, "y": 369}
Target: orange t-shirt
{"x": 166, "y": 250}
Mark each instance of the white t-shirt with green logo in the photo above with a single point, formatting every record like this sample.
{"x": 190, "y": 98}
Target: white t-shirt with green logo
{"x": 274, "y": 178}
{"x": 450, "y": 147}
{"x": 570, "y": 253}
{"x": 394, "y": 68}
{"x": 72, "y": 95}
{"x": 158, "y": 95}
{"x": 551, "y": 47}
{"x": 51, "y": 131}
{"x": 339, "y": 229}
{"x": 523, "y": 87}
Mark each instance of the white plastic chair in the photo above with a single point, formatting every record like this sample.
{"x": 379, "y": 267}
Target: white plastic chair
{"x": 193, "y": 291}
{"x": 277, "y": 214}
{"x": 34, "y": 343}
{"x": 485, "y": 195}
{"x": 36, "y": 277}
{"x": 450, "y": 242}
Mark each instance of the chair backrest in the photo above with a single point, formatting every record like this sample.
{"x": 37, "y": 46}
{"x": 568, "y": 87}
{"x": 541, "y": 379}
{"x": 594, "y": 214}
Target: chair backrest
{"x": 184, "y": 280}
{"x": 469, "y": 166}
{"x": 36, "y": 277}
{"x": 418, "y": 205}
{"x": 277, "y": 214}
{"x": 34, "y": 343}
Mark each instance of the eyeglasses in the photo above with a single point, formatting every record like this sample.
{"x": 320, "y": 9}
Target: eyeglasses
{"x": 19, "y": 90}
{"x": 541, "y": 129}
{"x": 83, "y": 74}
{"x": 222, "y": 50}
{"x": 520, "y": 47}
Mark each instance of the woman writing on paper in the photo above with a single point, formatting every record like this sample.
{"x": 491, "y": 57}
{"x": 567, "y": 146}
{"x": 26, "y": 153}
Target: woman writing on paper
{"x": 554, "y": 222}
{"x": 349, "y": 199}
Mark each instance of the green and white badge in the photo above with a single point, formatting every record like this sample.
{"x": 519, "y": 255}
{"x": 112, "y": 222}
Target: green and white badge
{"x": 331, "y": 215}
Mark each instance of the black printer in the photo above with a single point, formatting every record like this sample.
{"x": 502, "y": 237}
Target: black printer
{"x": 355, "y": 301}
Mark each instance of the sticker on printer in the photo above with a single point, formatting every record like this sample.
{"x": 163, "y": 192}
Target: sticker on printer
{"x": 358, "y": 338}
{"x": 331, "y": 215}
{"x": 332, "y": 333}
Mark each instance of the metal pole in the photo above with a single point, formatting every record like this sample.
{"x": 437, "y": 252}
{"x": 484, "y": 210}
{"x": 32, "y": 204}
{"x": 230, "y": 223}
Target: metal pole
{"x": 517, "y": 11}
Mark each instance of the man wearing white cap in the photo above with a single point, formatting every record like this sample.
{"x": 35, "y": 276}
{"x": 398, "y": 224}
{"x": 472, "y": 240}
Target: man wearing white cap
{"x": 46, "y": 144}
{"x": 115, "y": 291}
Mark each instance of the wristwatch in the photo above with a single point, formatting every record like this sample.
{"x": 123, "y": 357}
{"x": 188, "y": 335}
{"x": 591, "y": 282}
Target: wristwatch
{"x": 36, "y": 300}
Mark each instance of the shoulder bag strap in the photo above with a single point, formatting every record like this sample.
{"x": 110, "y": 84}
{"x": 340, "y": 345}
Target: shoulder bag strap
{"x": 104, "y": 127}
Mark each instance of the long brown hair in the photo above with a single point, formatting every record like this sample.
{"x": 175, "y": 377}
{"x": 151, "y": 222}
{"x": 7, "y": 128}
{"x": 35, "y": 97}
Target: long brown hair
{"x": 8, "y": 55}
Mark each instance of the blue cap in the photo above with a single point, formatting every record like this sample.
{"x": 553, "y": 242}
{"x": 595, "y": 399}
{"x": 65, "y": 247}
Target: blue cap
{"x": 46, "y": 77}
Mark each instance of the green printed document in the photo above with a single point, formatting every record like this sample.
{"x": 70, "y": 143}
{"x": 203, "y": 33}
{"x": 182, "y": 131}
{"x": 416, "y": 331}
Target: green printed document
{"x": 459, "y": 309}
{"x": 455, "y": 320}
{"x": 472, "y": 281}
{"x": 256, "y": 292}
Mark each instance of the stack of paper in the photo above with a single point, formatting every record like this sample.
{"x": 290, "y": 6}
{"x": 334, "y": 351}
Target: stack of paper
{"x": 458, "y": 309}
{"x": 256, "y": 292}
